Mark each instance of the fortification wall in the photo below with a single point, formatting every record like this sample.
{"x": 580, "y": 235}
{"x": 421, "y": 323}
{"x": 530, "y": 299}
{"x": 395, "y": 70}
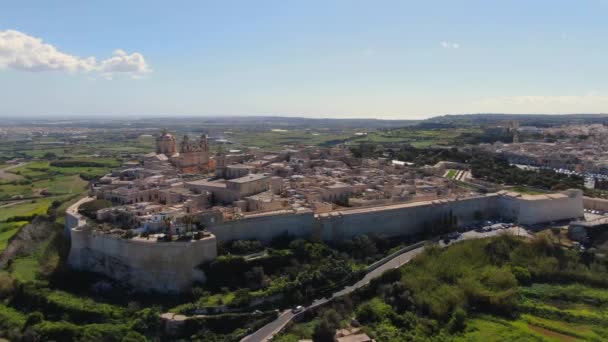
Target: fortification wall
{"x": 388, "y": 220}
{"x": 595, "y": 203}
{"x": 557, "y": 207}
{"x": 405, "y": 219}
{"x": 266, "y": 227}
{"x": 144, "y": 264}
{"x": 72, "y": 218}
{"x": 171, "y": 267}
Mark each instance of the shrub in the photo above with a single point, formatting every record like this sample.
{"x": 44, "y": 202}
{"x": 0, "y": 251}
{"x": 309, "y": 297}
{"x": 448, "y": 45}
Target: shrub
{"x": 522, "y": 275}
{"x": 457, "y": 322}
{"x": 374, "y": 311}
{"x": 7, "y": 285}
{"x": 90, "y": 208}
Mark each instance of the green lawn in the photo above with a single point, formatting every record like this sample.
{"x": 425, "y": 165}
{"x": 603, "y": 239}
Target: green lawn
{"x": 452, "y": 173}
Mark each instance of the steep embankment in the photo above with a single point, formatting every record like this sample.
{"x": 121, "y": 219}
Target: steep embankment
{"x": 27, "y": 240}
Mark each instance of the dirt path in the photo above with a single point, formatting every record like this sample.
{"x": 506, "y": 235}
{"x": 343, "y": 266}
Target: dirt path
{"x": 13, "y": 203}
{"x": 10, "y": 176}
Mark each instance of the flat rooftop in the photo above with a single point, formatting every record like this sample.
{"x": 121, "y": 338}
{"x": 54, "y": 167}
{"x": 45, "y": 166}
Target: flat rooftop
{"x": 249, "y": 178}
{"x": 204, "y": 182}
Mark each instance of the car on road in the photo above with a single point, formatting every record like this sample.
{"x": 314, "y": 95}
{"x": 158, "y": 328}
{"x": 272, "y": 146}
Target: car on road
{"x": 297, "y": 309}
{"x": 454, "y": 235}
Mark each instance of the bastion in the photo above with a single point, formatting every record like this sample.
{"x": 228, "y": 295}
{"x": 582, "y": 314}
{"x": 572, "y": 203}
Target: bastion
{"x": 142, "y": 263}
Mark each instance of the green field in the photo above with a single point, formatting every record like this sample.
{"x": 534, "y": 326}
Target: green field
{"x": 7, "y": 230}
{"x": 275, "y": 140}
{"x": 43, "y": 169}
{"x": 33, "y": 207}
{"x": 452, "y": 173}
{"x": 416, "y": 137}
{"x": 98, "y": 143}
{"x": 54, "y": 186}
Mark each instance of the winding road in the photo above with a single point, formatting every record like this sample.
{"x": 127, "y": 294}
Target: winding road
{"x": 269, "y": 330}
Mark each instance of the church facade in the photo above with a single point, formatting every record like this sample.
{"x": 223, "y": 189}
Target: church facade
{"x": 193, "y": 154}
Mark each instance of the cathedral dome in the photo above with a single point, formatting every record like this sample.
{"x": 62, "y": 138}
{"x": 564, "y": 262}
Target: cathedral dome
{"x": 167, "y": 136}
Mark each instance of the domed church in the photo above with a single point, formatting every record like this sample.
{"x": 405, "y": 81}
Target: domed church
{"x": 193, "y": 155}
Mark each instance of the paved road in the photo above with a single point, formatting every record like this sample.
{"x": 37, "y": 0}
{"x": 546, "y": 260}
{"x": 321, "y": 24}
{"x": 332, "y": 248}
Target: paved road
{"x": 269, "y": 330}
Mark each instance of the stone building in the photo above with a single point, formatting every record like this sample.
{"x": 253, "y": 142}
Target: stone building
{"x": 165, "y": 144}
{"x": 193, "y": 155}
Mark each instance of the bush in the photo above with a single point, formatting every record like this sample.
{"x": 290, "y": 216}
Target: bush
{"x": 374, "y": 311}
{"x": 522, "y": 275}
{"x": 457, "y": 322}
{"x": 7, "y": 285}
{"x": 245, "y": 246}
{"x": 325, "y": 330}
{"x": 90, "y": 208}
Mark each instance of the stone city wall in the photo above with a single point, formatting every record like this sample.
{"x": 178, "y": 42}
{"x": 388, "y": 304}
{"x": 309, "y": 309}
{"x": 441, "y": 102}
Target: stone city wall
{"x": 595, "y": 203}
{"x": 172, "y": 266}
{"x": 556, "y": 209}
{"x": 265, "y": 227}
{"x": 405, "y": 218}
{"x": 72, "y": 218}
{"x": 144, "y": 264}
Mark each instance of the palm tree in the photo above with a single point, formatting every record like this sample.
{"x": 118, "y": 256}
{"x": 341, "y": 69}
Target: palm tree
{"x": 188, "y": 220}
{"x": 167, "y": 224}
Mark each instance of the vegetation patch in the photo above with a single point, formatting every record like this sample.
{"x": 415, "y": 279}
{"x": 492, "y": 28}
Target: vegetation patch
{"x": 497, "y": 289}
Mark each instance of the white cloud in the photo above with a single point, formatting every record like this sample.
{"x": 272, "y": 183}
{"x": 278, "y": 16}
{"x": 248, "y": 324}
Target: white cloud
{"x": 449, "y": 45}
{"x": 123, "y": 62}
{"x": 19, "y": 51}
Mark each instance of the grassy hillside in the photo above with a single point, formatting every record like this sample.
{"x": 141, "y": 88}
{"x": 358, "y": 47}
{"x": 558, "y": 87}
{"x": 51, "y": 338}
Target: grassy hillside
{"x": 499, "y": 289}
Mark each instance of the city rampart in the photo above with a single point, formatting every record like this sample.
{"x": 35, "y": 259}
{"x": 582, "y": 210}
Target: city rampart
{"x": 266, "y": 226}
{"x": 143, "y": 264}
{"x": 172, "y": 266}
{"x": 599, "y": 204}
{"x": 405, "y": 218}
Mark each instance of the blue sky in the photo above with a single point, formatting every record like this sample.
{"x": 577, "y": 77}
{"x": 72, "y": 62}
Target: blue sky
{"x": 382, "y": 59}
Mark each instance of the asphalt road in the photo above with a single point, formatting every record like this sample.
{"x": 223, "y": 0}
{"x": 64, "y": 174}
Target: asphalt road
{"x": 269, "y": 330}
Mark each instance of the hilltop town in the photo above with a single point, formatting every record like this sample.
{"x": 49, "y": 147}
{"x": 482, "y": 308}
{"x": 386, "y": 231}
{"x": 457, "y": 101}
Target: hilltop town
{"x": 158, "y": 218}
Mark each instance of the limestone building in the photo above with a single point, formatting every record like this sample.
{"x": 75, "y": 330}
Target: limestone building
{"x": 193, "y": 155}
{"x": 165, "y": 144}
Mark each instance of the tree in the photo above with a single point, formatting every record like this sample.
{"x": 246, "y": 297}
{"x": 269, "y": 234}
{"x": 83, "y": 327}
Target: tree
{"x": 457, "y": 322}
{"x": 326, "y": 329}
{"x": 188, "y": 220}
{"x": 90, "y": 208}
